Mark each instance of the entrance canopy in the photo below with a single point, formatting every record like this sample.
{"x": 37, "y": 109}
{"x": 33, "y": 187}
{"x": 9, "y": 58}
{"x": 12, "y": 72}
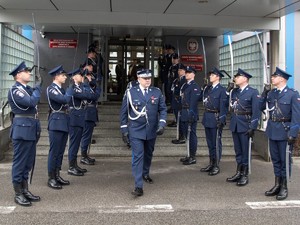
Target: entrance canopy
{"x": 148, "y": 18}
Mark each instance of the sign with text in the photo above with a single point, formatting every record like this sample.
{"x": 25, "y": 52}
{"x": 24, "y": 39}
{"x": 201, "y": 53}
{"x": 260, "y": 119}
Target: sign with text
{"x": 191, "y": 58}
{"x": 197, "y": 67}
{"x": 62, "y": 43}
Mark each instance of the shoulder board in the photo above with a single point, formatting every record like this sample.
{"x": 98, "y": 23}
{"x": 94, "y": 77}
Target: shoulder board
{"x": 155, "y": 88}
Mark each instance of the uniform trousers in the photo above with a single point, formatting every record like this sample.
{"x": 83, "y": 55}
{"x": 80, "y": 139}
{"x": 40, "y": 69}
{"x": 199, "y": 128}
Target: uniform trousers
{"x": 58, "y": 141}
{"x": 193, "y": 136}
{"x": 87, "y": 135}
{"x": 211, "y": 135}
{"x": 74, "y": 142}
{"x": 278, "y": 156}
{"x": 241, "y": 147}
{"x": 23, "y": 159}
{"x": 142, "y": 152}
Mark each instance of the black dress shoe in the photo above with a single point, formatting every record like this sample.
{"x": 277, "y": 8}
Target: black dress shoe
{"x": 137, "y": 191}
{"x": 86, "y": 161}
{"x": 93, "y": 141}
{"x": 148, "y": 179}
{"x": 20, "y": 199}
{"x": 184, "y": 159}
{"x": 190, "y": 161}
{"x": 73, "y": 171}
{"x": 31, "y": 197}
{"x": 207, "y": 168}
{"x": 27, "y": 194}
{"x": 91, "y": 159}
{"x": 178, "y": 141}
{"x": 82, "y": 170}
{"x": 214, "y": 171}
{"x": 59, "y": 179}
{"x": 52, "y": 183}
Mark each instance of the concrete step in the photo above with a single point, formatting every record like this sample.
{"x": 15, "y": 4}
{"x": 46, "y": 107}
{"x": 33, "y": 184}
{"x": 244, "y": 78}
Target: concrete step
{"x": 100, "y": 132}
{"x": 109, "y": 142}
{"x": 117, "y": 141}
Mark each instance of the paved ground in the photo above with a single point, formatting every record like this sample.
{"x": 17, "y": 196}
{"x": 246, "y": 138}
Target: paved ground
{"x": 180, "y": 195}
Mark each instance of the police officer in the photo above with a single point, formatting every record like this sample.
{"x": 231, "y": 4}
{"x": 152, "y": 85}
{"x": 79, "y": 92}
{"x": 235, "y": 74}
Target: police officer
{"x": 25, "y": 132}
{"x": 244, "y": 102}
{"x": 143, "y": 117}
{"x": 190, "y": 96}
{"x": 91, "y": 117}
{"x": 162, "y": 61}
{"x": 283, "y": 105}
{"x": 215, "y": 103}
{"x": 77, "y": 122}
{"x": 169, "y": 63}
{"x": 176, "y": 101}
{"x": 58, "y": 125}
{"x": 173, "y": 74}
{"x": 92, "y": 59}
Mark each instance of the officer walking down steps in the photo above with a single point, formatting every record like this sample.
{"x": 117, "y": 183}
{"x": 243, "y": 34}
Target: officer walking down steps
{"x": 283, "y": 105}
{"x": 143, "y": 117}
{"x": 25, "y": 132}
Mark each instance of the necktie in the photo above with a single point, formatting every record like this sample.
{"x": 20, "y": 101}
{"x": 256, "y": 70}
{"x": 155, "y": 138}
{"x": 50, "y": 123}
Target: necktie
{"x": 145, "y": 92}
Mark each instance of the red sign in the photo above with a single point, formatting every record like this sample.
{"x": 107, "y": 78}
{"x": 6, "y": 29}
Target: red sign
{"x": 191, "y": 58}
{"x": 62, "y": 43}
{"x": 197, "y": 67}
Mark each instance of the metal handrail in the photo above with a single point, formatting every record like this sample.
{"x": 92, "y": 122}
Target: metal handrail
{"x": 2, "y": 124}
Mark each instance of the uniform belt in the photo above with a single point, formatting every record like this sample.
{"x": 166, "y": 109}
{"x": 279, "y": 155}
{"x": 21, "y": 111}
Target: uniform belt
{"x": 77, "y": 108}
{"x": 64, "y": 112}
{"x": 242, "y": 113}
{"x": 211, "y": 110}
{"x": 185, "y": 107}
{"x": 281, "y": 120}
{"x": 33, "y": 116}
{"x": 90, "y": 105}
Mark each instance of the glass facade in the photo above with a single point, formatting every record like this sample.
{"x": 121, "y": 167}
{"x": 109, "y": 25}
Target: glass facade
{"x": 247, "y": 56}
{"x": 13, "y": 50}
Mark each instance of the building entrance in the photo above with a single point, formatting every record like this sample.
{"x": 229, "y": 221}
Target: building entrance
{"x": 125, "y": 58}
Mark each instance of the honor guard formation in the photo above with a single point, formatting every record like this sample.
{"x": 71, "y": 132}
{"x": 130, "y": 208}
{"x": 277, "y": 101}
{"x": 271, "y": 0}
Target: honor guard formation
{"x": 143, "y": 115}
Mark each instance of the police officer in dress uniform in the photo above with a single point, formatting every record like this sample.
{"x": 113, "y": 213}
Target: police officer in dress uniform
{"x": 162, "y": 61}
{"x": 283, "y": 105}
{"x": 92, "y": 59}
{"x": 58, "y": 125}
{"x": 77, "y": 122}
{"x": 91, "y": 117}
{"x": 215, "y": 103}
{"x": 176, "y": 101}
{"x": 170, "y": 51}
{"x": 25, "y": 132}
{"x": 190, "y": 96}
{"x": 173, "y": 74}
{"x": 143, "y": 117}
{"x": 244, "y": 103}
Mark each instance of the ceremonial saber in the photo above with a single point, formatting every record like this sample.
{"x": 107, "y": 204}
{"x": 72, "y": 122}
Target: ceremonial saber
{"x": 264, "y": 59}
{"x": 188, "y": 140}
{"x": 266, "y": 77}
{"x": 231, "y": 60}
{"x": 204, "y": 54}
{"x": 288, "y": 151}
{"x": 231, "y": 56}
{"x": 217, "y": 147}
{"x": 249, "y": 155}
{"x": 177, "y": 125}
{"x": 205, "y": 69}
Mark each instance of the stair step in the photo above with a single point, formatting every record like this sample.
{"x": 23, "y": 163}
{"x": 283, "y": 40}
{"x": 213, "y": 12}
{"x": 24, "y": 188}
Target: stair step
{"x": 109, "y": 142}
